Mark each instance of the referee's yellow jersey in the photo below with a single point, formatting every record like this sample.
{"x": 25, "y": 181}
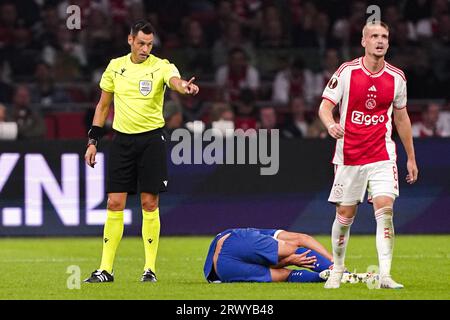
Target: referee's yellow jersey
{"x": 138, "y": 92}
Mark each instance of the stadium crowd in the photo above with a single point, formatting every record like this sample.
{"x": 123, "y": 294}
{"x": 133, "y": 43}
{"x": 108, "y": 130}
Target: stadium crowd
{"x": 259, "y": 63}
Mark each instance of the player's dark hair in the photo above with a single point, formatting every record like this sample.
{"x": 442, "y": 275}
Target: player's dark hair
{"x": 142, "y": 25}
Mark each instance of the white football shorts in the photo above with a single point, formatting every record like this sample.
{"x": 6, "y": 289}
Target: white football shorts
{"x": 351, "y": 182}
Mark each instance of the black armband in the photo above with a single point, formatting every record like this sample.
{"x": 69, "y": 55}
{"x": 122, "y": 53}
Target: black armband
{"x": 95, "y": 133}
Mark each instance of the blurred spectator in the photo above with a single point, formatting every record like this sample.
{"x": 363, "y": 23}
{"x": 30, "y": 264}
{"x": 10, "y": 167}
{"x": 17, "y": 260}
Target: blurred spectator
{"x": 196, "y": 55}
{"x": 317, "y": 130}
{"x": 2, "y": 113}
{"x": 45, "y": 32}
{"x": 330, "y": 64}
{"x": 245, "y": 110}
{"x": 443, "y": 33}
{"x": 267, "y": 118}
{"x": 29, "y": 10}
{"x": 222, "y": 118}
{"x": 134, "y": 11}
{"x": 402, "y": 36}
{"x": 173, "y": 116}
{"x": 417, "y": 10}
{"x": 30, "y": 123}
{"x": 5, "y": 88}
{"x": 8, "y": 22}
{"x": 21, "y": 54}
{"x": 97, "y": 38}
{"x": 297, "y": 126}
{"x": 195, "y": 37}
{"x": 401, "y": 47}
{"x": 323, "y": 38}
{"x": 154, "y": 20}
{"x": 236, "y": 75}
{"x": 66, "y": 56}
{"x": 273, "y": 35}
{"x": 224, "y": 16}
{"x": 304, "y": 33}
{"x": 294, "y": 81}
{"x": 428, "y": 26}
{"x": 428, "y": 126}
{"x": 393, "y": 18}
{"x": 232, "y": 38}
{"x": 348, "y": 29}
{"x": 422, "y": 82}
{"x": 221, "y": 111}
{"x": 440, "y": 55}
{"x": 45, "y": 92}
{"x": 8, "y": 129}
{"x": 248, "y": 13}
{"x": 119, "y": 47}
{"x": 443, "y": 123}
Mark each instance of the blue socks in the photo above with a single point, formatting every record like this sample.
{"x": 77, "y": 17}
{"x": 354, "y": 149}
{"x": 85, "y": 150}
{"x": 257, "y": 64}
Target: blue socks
{"x": 304, "y": 276}
{"x": 321, "y": 264}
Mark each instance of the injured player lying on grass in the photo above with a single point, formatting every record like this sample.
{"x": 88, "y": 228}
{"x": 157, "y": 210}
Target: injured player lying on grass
{"x": 264, "y": 255}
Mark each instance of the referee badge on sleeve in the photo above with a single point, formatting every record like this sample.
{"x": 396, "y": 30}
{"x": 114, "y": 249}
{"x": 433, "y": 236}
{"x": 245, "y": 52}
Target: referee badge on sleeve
{"x": 145, "y": 87}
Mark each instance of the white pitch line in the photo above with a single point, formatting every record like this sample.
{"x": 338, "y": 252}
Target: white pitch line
{"x": 414, "y": 256}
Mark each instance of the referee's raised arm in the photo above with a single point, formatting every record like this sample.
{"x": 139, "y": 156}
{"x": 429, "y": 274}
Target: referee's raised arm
{"x": 96, "y": 131}
{"x": 183, "y": 86}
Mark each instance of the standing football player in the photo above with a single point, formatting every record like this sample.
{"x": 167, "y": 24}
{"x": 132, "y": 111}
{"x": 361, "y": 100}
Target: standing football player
{"x": 370, "y": 93}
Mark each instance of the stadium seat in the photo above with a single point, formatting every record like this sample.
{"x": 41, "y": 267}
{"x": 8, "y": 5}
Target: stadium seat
{"x": 76, "y": 94}
{"x": 70, "y": 125}
{"x": 207, "y": 91}
{"x": 50, "y": 124}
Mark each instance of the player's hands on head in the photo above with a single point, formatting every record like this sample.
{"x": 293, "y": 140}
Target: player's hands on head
{"x": 413, "y": 172}
{"x": 336, "y": 131}
{"x": 190, "y": 88}
{"x": 89, "y": 157}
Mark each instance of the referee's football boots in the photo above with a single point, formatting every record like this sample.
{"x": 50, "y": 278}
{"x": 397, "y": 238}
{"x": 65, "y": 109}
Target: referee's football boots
{"x": 100, "y": 276}
{"x": 148, "y": 276}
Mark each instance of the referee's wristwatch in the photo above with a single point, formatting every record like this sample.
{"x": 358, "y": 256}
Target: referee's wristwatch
{"x": 93, "y": 142}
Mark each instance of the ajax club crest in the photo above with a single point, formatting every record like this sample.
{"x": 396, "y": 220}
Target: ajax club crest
{"x": 371, "y": 102}
{"x": 145, "y": 87}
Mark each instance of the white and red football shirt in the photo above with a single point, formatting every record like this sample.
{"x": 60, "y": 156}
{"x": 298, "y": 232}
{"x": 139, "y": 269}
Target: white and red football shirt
{"x": 366, "y": 101}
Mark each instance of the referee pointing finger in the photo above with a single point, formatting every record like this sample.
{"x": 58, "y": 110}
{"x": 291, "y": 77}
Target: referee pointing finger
{"x": 137, "y": 156}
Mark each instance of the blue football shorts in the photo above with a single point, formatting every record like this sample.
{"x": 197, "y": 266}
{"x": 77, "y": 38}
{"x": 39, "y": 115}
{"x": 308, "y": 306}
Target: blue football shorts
{"x": 246, "y": 256}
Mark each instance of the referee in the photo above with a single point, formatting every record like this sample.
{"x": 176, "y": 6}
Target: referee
{"x": 137, "y": 156}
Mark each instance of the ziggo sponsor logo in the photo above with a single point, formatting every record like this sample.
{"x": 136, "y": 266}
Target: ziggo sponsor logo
{"x": 361, "y": 118}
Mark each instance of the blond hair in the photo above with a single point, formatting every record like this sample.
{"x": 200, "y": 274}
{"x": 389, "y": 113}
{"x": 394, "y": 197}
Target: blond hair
{"x": 374, "y": 23}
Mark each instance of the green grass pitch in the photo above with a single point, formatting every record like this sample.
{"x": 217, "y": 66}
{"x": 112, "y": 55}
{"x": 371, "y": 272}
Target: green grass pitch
{"x": 33, "y": 268}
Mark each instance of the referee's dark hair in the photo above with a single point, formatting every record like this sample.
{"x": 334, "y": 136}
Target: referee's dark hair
{"x": 142, "y": 25}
